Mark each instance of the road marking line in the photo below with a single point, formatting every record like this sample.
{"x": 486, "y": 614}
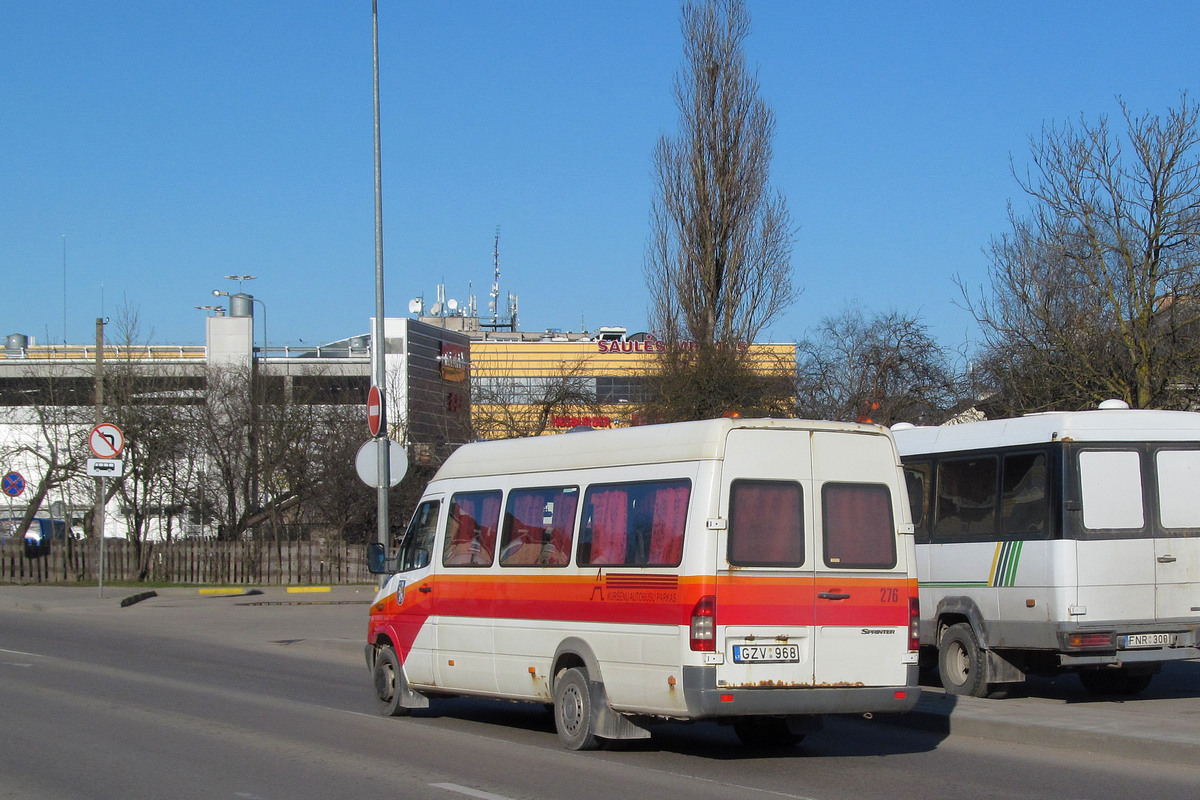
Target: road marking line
{"x": 304, "y": 589}
{"x": 454, "y": 787}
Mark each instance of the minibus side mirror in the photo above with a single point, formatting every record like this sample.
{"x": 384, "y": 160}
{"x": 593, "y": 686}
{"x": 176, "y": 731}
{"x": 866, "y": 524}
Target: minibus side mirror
{"x": 377, "y": 561}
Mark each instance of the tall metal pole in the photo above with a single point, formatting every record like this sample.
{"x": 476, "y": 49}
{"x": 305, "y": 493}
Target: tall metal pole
{"x": 377, "y": 342}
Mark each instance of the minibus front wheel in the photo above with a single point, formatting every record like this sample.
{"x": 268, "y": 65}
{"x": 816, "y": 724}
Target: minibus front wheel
{"x": 388, "y": 683}
{"x": 574, "y": 711}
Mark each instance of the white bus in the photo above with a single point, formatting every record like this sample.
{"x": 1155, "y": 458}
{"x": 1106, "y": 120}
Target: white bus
{"x": 1057, "y": 542}
{"x": 756, "y": 572}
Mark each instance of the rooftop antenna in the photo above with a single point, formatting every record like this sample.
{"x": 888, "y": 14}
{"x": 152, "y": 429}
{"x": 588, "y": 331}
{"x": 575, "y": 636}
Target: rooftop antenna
{"x": 494, "y": 303}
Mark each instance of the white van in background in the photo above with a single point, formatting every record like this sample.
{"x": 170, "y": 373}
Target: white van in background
{"x": 1057, "y": 542}
{"x": 755, "y": 572}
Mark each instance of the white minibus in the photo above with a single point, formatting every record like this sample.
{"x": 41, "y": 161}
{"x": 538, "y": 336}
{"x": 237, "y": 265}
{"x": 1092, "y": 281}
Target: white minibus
{"x": 755, "y": 572}
{"x": 1057, "y": 542}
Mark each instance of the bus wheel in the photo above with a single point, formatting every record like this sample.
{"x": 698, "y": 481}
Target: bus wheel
{"x": 961, "y": 662}
{"x": 574, "y": 717}
{"x": 1114, "y": 681}
{"x": 388, "y": 686}
{"x": 765, "y": 732}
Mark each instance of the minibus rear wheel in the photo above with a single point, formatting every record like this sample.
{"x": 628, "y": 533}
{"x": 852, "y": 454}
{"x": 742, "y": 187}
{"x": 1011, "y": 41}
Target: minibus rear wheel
{"x": 574, "y": 715}
{"x": 388, "y": 683}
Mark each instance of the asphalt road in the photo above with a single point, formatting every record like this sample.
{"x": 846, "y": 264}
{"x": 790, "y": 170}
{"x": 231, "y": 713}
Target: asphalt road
{"x": 267, "y": 696}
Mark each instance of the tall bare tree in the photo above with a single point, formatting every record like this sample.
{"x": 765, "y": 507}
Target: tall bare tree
{"x": 718, "y": 264}
{"x": 885, "y": 367}
{"x": 1094, "y": 293}
{"x": 719, "y": 261}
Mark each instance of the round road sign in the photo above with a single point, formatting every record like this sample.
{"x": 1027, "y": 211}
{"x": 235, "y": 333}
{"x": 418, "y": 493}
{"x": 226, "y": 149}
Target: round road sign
{"x": 106, "y": 440}
{"x": 374, "y": 410}
{"x": 13, "y": 484}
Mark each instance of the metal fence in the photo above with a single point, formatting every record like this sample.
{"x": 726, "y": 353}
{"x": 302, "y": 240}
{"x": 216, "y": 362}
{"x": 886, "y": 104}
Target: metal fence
{"x": 188, "y": 562}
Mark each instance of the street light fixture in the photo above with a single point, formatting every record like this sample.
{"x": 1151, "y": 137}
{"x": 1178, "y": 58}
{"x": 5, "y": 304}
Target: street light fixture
{"x": 240, "y": 278}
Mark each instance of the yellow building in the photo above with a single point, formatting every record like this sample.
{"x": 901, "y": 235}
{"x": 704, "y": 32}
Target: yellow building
{"x": 531, "y": 383}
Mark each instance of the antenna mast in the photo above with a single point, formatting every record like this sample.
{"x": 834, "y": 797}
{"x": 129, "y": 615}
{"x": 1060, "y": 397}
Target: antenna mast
{"x": 494, "y": 305}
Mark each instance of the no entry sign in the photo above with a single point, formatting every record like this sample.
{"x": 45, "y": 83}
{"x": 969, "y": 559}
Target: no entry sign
{"x": 374, "y": 410}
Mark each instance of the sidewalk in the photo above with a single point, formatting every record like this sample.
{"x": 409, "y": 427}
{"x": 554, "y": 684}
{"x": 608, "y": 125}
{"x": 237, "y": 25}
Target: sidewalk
{"x": 1160, "y": 725}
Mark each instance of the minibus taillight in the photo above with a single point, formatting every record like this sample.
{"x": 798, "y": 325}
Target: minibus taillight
{"x": 914, "y": 624}
{"x": 703, "y": 634}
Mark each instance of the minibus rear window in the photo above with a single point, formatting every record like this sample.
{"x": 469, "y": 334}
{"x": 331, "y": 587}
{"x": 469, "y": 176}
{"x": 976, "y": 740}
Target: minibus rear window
{"x": 1178, "y": 479}
{"x": 766, "y": 524}
{"x": 1110, "y": 483}
{"x": 471, "y": 529}
{"x": 859, "y": 533}
{"x": 634, "y": 524}
{"x": 539, "y": 525}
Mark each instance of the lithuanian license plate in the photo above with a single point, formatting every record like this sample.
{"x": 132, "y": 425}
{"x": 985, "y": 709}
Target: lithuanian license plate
{"x": 766, "y": 653}
{"x": 1148, "y": 640}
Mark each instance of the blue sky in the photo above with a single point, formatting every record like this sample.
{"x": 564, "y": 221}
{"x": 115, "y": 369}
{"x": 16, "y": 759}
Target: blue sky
{"x": 174, "y": 143}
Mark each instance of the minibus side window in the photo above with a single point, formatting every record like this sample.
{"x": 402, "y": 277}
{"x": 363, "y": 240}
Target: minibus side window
{"x": 766, "y": 524}
{"x": 966, "y": 499}
{"x": 1178, "y": 488}
{"x": 918, "y": 479}
{"x": 1025, "y": 499}
{"x": 417, "y": 543}
{"x": 1110, "y": 483}
{"x": 858, "y": 526}
{"x": 634, "y": 524}
{"x": 539, "y": 525}
{"x": 471, "y": 529}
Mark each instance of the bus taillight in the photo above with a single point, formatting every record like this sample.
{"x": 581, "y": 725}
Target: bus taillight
{"x": 703, "y": 634}
{"x": 914, "y": 624}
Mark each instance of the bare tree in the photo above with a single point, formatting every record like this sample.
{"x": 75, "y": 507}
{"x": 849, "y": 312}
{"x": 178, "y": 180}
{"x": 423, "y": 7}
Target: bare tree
{"x": 719, "y": 262}
{"x": 885, "y": 368}
{"x": 505, "y": 405}
{"x": 44, "y": 438}
{"x": 143, "y": 399}
{"x": 1093, "y": 294}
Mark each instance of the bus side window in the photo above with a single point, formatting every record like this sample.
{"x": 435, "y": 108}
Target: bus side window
{"x": 966, "y": 499}
{"x": 1025, "y": 502}
{"x": 634, "y": 524}
{"x": 917, "y": 478}
{"x": 417, "y": 543}
{"x": 471, "y": 529}
{"x": 538, "y": 527}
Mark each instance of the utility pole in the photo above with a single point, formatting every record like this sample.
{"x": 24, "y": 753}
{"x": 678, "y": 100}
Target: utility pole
{"x": 383, "y": 446}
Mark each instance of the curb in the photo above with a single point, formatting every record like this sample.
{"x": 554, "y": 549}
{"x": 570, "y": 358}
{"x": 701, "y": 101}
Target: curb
{"x": 976, "y": 721}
